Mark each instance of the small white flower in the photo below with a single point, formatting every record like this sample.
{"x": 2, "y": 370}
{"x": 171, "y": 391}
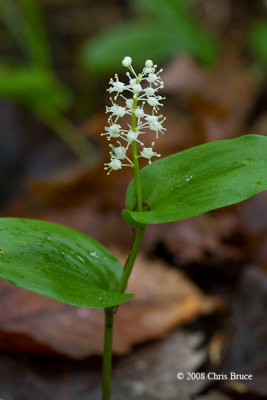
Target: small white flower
{"x": 156, "y": 126}
{"x": 149, "y": 91}
{"x": 152, "y": 118}
{"x": 152, "y": 78}
{"x": 139, "y": 112}
{"x": 113, "y": 131}
{"x": 119, "y": 152}
{"x": 148, "y": 153}
{"x": 148, "y": 70}
{"x": 153, "y": 101}
{"x": 135, "y": 86}
{"x": 126, "y": 62}
{"x": 131, "y": 135}
{"x": 154, "y": 123}
{"x": 116, "y": 110}
{"x": 148, "y": 67}
{"x": 114, "y": 164}
{"x": 118, "y": 86}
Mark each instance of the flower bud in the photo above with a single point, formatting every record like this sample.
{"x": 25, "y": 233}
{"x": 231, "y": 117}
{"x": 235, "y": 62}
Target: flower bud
{"x": 126, "y": 62}
{"x": 149, "y": 63}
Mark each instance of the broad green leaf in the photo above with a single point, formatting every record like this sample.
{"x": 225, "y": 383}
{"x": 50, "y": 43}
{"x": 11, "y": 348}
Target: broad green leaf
{"x": 160, "y": 6}
{"x": 258, "y": 40}
{"x": 165, "y": 11}
{"x": 138, "y": 39}
{"x": 35, "y": 88}
{"x": 200, "y": 179}
{"x": 176, "y": 15}
{"x": 106, "y": 51}
{"x": 59, "y": 262}
{"x": 197, "y": 41}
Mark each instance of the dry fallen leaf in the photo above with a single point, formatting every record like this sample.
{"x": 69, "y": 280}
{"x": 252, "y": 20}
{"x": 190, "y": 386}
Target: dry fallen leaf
{"x": 148, "y": 373}
{"x": 220, "y": 98}
{"x": 164, "y": 299}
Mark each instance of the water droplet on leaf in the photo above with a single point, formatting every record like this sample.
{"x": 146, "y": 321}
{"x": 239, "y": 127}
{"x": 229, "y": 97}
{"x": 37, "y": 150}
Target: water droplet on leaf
{"x": 80, "y": 258}
{"x": 188, "y": 178}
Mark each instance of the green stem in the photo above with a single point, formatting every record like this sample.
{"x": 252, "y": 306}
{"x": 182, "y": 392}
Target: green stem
{"x": 139, "y": 232}
{"x": 107, "y": 356}
{"x": 137, "y": 179}
{"x": 122, "y": 285}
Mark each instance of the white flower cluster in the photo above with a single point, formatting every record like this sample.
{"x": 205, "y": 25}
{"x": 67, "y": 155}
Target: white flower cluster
{"x": 143, "y": 90}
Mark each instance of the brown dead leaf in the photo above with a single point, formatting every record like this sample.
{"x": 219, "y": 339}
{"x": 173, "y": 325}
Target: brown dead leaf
{"x": 196, "y": 240}
{"x": 220, "y": 99}
{"x": 183, "y": 74}
{"x": 148, "y": 373}
{"x": 164, "y": 299}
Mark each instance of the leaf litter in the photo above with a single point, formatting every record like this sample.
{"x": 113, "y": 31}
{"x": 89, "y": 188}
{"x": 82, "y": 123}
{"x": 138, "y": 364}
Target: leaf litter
{"x": 164, "y": 299}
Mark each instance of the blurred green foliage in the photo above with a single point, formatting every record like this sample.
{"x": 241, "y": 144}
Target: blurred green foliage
{"x": 35, "y": 34}
{"x": 33, "y": 87}
{"x": 33, "y": 83}
{"x": 162, "y": 29}
{"x": 258, "y": 41}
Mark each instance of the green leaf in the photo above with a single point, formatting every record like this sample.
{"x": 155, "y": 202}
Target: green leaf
{"x": 176, "y": 15}
{"x": 59, "y": 262}
{"x": 107, "y": 50}
{"x": 25, "y": 23}
{"x": 164, "y": 11}
{"x": 35, "y": 88}
{"x": 138, "y": 39}
{"x": 35, "y": 33}
{"x": 258, "y": 40}
{"x": 200, "y": 179}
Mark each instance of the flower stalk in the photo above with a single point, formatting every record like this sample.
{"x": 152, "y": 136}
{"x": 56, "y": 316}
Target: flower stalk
{"x": 139, "y": 232}
{"x": 107, "y": 354}
{"x": 140, "y": 123}
{"x": 138, "y": 188}
{"x": 109, "y": 315}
